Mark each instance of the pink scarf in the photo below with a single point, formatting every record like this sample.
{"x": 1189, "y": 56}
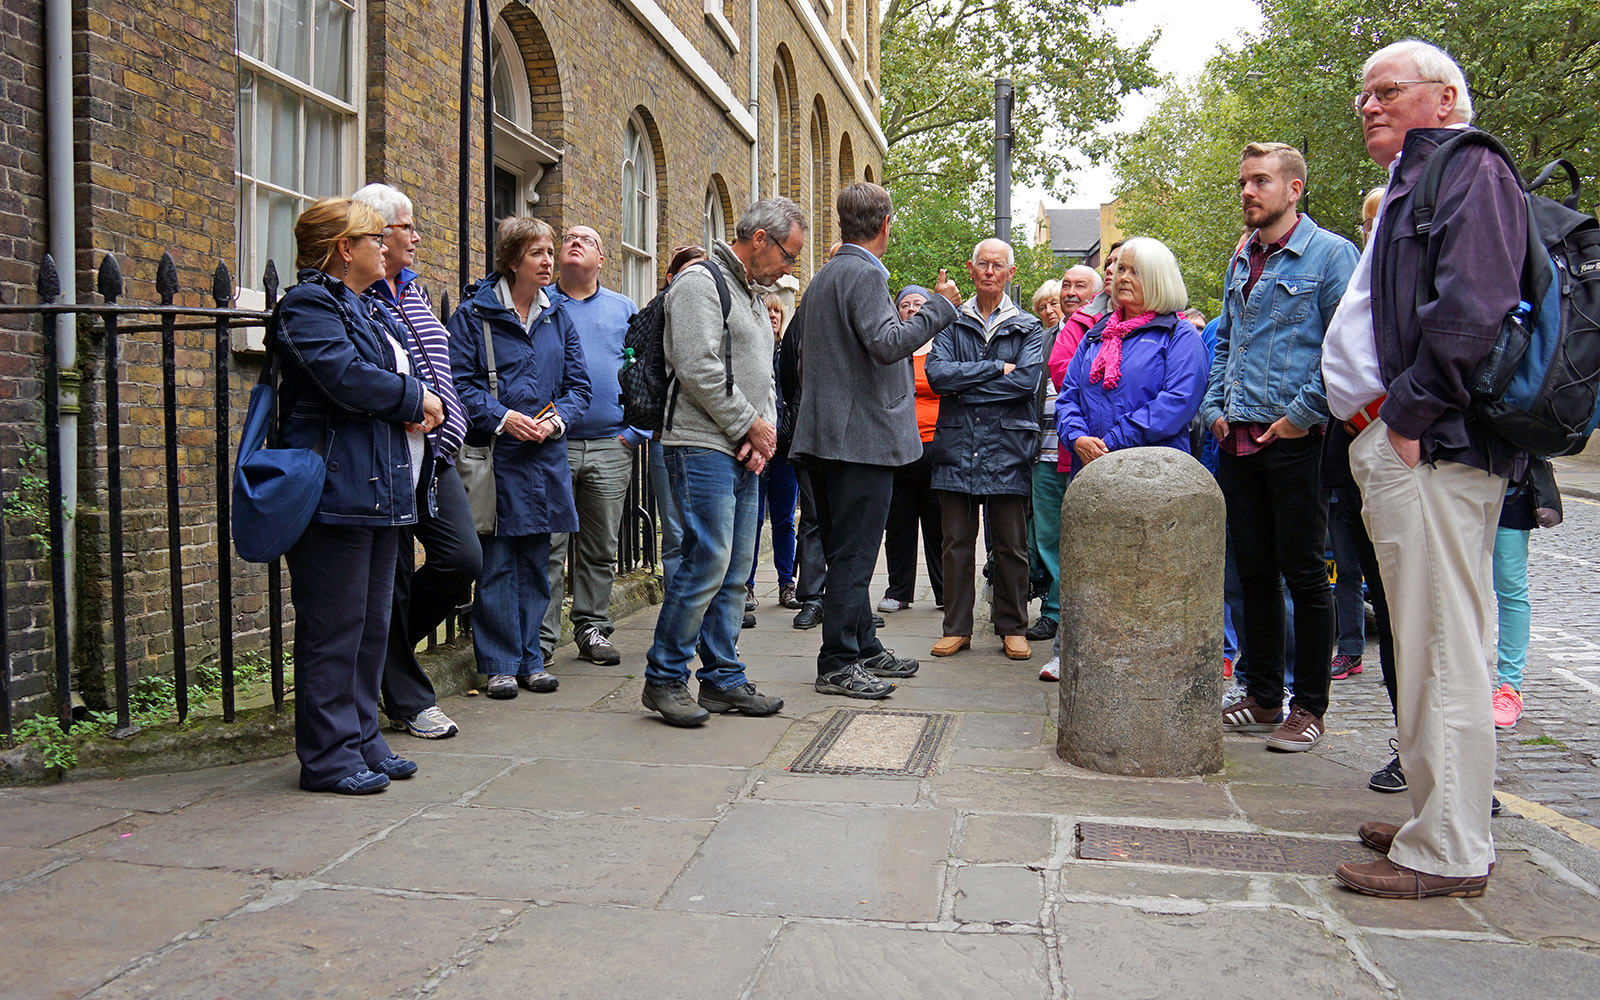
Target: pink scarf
{"x": 1108, "y": 363}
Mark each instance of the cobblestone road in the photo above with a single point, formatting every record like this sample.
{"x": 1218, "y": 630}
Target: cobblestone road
{"x": 1552, "y": 757}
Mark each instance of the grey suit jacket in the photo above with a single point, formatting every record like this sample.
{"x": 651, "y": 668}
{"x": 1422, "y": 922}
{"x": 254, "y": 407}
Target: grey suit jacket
{"x": 857, "y": 398}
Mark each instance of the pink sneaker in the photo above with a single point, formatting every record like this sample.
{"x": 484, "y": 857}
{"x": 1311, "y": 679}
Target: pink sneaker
{"x": 1507, "y": 707}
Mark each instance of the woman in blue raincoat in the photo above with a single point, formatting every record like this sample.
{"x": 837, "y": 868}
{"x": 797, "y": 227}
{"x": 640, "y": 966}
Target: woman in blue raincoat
{"x": 541, "y": 387}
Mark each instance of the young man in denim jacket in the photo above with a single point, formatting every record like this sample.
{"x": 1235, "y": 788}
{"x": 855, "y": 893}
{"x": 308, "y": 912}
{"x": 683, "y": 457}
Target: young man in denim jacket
{"x": 1265, "y": 404}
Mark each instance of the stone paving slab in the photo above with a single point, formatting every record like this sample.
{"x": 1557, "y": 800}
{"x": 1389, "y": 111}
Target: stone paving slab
{"x": 1082, "y": 796}
{"x": 41, "y": 824}
{"x": 1123, "y": 881}
{"x": 574, "y": 952}
{"x": 519, "y": 855}
{"x": 16, "y": 862}
{"x": 65, "y": 933}
{"x": 784, "y": 786}
{"x": 1431, "y": 969}
{"x": 615, "y": 787}
{"x": 820, "y": 861}
{"x": 1334, "y": 811}
{"x": 998, "y": 894}
{"x": 318, "y": 943}
{"x": 154, "y": 792}
{"x": 1006, "y": 837}
{"x": 1119, "y": 952}
{"x": 271, "y": 834}
{"x": 826, "y": 962}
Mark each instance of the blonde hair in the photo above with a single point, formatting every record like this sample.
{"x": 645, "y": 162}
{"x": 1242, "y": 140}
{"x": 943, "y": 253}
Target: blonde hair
{"x": 1291, "y": 162}
{"x": 327, "y": 221}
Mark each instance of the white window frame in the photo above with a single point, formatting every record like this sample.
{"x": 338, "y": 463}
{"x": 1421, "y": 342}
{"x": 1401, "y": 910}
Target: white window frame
{"x": 713, "y": 220}
{"x": 638, "y": 256}
{"x": 516, "y": 149}
{"x": 247, "y": 292}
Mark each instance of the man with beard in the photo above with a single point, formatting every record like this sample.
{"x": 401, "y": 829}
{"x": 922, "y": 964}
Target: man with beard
{"x": 1266, "y": 405}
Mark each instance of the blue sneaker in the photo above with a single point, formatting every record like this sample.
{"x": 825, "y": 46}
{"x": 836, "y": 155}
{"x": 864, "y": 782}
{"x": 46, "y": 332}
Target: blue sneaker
{"x": 363, "y": 782}
{"x": 395, "y": 766}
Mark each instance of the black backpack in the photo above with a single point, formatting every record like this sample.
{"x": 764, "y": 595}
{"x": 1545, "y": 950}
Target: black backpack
{"x": 1537, "y": 389}
{"x": 649, "y": 394}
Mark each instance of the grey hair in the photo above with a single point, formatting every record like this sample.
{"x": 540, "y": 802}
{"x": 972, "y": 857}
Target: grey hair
{"x": 1164, "y": 290}
{"x": 1049, "y": 290}
{"x": 777, "y": 216}
{"x": 1431, "y": 63}
{"x": 1099, "y": 281}
{"x": 390, "y": 203}
{"x": 1011, "y": 255}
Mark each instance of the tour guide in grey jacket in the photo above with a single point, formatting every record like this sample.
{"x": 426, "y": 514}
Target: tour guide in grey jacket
{"x": 856, "y": 423}
{"x": 714, "y": 448}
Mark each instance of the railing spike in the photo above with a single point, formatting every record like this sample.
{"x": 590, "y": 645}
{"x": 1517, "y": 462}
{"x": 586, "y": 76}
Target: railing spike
{"x": 444, "y": 306}
{"x": 167, "y": 279}
{"x": 109, "y": 281}
{"x": 221, "y": 285}
{"x": 269, "y": 281}
{"x": 49, "y": 285}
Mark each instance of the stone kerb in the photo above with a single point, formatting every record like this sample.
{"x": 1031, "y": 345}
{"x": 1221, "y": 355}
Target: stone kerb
{"x": 1141, "y": 616}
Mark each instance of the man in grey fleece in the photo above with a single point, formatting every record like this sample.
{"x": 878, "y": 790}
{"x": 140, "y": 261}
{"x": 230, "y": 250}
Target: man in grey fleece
{"x": 717, "y": 438}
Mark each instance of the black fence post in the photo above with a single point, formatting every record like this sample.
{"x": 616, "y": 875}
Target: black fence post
{"x": 109, "y": 285}
{"x": 222, "y": 294}
{"x": 269, "y": 281}
{"x": 167, "y": 288}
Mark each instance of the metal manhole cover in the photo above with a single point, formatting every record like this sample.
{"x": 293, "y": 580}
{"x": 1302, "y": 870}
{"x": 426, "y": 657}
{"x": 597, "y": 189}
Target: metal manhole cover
{"x": 875, "y": 742}
{"x": 1245, "y": 852}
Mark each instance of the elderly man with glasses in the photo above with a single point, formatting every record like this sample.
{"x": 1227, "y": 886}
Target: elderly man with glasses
{"x": 599, "y": 450}
{"x": 986, "y": 368}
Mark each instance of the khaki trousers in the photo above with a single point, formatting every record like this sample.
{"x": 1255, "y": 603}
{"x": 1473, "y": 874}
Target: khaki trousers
{"x": 1433, "y": 530}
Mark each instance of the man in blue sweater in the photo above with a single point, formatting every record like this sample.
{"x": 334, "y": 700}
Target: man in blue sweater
{"x": 600, "y": 450}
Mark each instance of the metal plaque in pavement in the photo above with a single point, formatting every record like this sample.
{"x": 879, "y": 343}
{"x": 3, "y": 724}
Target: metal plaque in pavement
{"x": 1244, "y": 852}
{"x": 875, "y": 742}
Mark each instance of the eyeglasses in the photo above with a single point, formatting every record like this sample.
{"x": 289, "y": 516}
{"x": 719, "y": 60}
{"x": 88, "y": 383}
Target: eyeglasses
{"x": 691, "y": 248}
{"x": 987, "y": 266}
{"x": 588, "y": 241}
{"x": 1386, "y": 92}
{"x": 792, "y": 258}
{"x": 408, "y": 228}
{"x": 374, "y": 237}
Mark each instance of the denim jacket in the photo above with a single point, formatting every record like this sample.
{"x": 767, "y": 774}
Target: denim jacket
{"x": 1268, "y": 362}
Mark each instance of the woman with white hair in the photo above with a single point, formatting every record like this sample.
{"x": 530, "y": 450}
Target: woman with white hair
{"x": 1137, "y": 378}
{"x": 423, "y": 596}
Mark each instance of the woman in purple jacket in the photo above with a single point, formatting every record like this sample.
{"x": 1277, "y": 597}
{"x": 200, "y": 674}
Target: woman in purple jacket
{"x": 1138, "y": 376}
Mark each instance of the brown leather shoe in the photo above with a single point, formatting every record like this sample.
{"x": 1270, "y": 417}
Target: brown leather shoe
{"x": 1378, "y": 836}
{"x": 1016, "y": 647}
{"x": 950, "y": 645}
{"x": 1387, "y": 880}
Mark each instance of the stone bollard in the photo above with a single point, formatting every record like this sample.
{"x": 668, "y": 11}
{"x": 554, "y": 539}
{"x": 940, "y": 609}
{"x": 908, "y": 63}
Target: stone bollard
{"x": 1141, "y": 616}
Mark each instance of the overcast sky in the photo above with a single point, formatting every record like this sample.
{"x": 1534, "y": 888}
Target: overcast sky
{"x": 1192, "y": 31}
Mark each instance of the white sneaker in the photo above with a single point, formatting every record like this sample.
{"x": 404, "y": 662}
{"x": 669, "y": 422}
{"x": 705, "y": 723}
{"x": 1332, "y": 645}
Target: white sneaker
{"x": 1051, "y": 671}
{"x": 889, "y": 606}
{"x": 428, "y": 724}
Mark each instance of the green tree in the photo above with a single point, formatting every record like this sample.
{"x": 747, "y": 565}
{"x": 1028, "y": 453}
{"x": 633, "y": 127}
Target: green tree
{"x": 939, "y": 62}
{"x": 1533, "y": 67}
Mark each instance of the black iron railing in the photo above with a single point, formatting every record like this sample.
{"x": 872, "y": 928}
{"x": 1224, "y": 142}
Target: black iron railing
{"x": 123, "y": 325}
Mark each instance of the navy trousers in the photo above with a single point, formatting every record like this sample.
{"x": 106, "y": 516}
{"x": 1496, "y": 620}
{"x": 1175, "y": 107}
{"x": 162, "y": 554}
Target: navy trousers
{"x": 342, "y": 586}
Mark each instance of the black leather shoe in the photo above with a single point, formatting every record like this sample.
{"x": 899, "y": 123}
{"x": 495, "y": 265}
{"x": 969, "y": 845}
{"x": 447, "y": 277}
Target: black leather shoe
{"x": 877, "y": 621}
{"x": 749, "y": 620}
{"x": 810, "y": 616}
{"x": 1044, "y": 628}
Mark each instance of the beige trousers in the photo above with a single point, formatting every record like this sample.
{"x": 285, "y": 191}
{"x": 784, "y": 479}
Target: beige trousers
{"x": 1433, "y": 529}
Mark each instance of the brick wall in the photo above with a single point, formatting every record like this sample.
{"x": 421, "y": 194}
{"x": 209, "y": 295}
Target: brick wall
{"x": 156, "y": 94}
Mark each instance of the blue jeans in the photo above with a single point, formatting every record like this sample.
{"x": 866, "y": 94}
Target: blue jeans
{"x": 779, "y": 493}
{"x": 704, "y": 602}
{"x": 666, "y": 512}
{"x": 1511, "y": 593}
{"x": 513, "y": 593}
{"x": 1344, "y": 518}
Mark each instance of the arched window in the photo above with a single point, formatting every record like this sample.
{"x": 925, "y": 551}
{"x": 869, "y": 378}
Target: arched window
{"x": 713, "y": 220}
{"x": 521, "y": 158}
{"x": 638, "y": 213}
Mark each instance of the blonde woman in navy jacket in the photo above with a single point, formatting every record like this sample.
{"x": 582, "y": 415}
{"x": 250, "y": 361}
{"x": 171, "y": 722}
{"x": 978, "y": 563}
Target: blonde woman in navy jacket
{"x": 347, "y": 391}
